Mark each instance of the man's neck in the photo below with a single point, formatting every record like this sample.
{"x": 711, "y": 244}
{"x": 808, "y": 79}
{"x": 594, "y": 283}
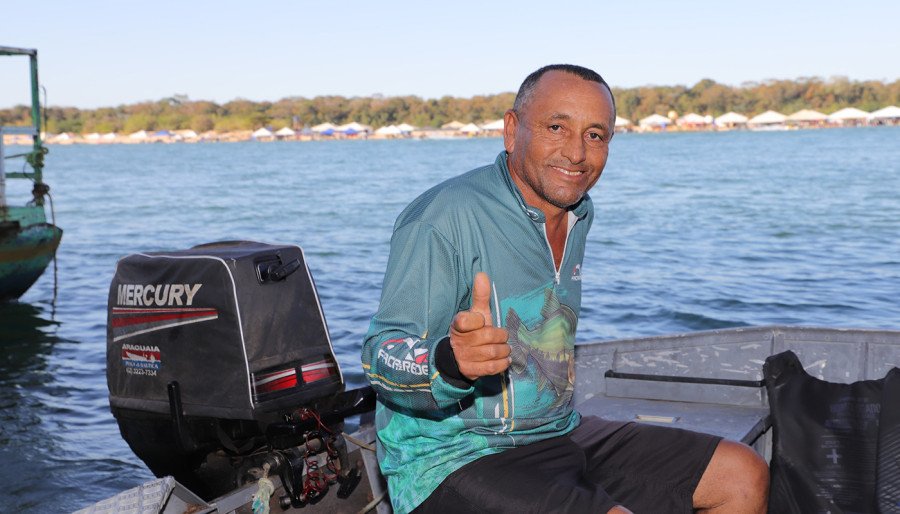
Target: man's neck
{"x": 557, "y": 230}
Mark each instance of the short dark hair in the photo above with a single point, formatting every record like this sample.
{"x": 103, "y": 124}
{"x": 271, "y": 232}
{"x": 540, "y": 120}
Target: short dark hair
{"x": 530, "y": 82}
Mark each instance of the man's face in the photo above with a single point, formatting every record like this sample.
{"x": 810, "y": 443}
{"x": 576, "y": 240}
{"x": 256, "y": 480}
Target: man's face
{"x": 558, "y": 146}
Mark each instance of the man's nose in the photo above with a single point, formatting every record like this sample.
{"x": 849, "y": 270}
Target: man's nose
{"x": 573, "y": 149}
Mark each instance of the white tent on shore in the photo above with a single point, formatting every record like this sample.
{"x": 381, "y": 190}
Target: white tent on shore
{"x": 849, "y": 114}
{"x": 622, "y": 122}
{"x": 654, "y": 120}
{"x": 406, "y": 127}
{"x": 767, "y": 118}
{"x": 390, "y": 130}
{"x": 453, "y": 125}
{"x": 694, "y": 119}
{"x": 496, "y": 125}
{"x": 262, "y": 133}
{"x": 807, "y": 116}
{"x": 731, "y": 119}
{"x": 352, "y": 128}
{"x": 888, "y": 113}
{"x": 471, "y": 128}
{"x": 140, "y": 134}
{"x": 286, "y": 132}
{"x": 323, "y": 127}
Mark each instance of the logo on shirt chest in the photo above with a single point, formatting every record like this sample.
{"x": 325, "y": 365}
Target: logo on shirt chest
{"x": 576, "y": 273}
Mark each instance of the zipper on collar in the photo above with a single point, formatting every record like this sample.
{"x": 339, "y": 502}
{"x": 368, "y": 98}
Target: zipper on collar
{"x": 570, "y": 223}
{"x": 550, "y": 249}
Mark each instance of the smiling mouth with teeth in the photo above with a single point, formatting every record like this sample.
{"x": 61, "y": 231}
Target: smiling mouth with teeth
{"x": 567, "y": 172}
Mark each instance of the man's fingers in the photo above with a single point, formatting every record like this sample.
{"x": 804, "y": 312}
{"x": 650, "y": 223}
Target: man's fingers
{"x": 474, "y": 370}
{"x": 480, "y": 348}
{"x": 481, "y": 297}
{"x": 467, "y": 321}
{"x": 481, "y": 353}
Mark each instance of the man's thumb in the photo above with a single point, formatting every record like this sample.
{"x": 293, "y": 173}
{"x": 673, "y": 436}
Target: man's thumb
{"x": 481, "y": 297}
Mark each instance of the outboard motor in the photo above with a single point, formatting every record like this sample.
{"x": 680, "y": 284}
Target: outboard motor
{"x": 220, "y": 369}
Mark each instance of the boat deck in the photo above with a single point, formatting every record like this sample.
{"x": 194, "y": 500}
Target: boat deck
{"x": 704, "y": 381}
{"x": 738, "y": 423}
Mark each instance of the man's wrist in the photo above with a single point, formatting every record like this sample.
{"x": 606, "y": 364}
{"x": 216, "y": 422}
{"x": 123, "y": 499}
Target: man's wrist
{"x": 445, "y": 362}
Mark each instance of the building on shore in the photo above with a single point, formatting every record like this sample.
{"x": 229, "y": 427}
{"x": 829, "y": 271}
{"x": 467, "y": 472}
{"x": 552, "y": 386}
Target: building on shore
{"x": 324, "y": 129}
{"x": 388, "y": 132}
{"x": 887, "y": 116}
{"x": 493, "y": 128}
{"x": 353, "y": 129}
{"x": 807, "y": 118}
{"x": 263, "y": 134}
{"x": 693, "y": 121}
{"x": 623, "y": 125}
{"x": 769, "y": 120}
{"x": 285, "y": 134}
{"x": 654, "y": 123}
{"x": 140, "y": 135}
{"x": 186, "y": 135}
{"x": 849, "y": 117}
{"x": 470, "y": 130}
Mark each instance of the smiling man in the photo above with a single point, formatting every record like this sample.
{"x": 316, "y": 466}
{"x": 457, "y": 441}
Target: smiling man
{"x": 472, "y": 348}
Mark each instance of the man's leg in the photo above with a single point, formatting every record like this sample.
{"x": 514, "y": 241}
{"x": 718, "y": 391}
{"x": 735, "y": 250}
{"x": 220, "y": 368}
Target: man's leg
{"x": 543, "y": 477}
{"x": 735, "y": 481}
{"x": 659, "y": 469}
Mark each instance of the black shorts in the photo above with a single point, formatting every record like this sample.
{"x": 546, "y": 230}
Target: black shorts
{"x": 600, "y": 464}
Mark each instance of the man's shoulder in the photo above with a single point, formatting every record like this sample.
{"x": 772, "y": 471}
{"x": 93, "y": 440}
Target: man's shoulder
{"x": 456, "y": 195}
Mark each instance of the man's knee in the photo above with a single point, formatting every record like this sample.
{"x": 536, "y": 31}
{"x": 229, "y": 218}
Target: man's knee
{"x": 737, "y": 477}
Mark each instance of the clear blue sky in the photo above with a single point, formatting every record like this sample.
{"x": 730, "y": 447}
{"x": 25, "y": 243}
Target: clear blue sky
{"x": 105, "y": 53}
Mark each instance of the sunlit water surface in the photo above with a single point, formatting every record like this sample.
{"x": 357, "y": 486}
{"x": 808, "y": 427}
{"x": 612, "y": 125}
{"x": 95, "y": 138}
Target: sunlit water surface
{"x": 693, "y": 232}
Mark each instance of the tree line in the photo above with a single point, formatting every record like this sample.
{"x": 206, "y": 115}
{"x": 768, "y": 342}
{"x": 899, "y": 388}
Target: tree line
{"x": 704, "y": 97}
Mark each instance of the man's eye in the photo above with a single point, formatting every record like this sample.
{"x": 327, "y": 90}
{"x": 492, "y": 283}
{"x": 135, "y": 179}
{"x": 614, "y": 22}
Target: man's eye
{"x": 555, "y": 128}
{"x": 594, "y": 136}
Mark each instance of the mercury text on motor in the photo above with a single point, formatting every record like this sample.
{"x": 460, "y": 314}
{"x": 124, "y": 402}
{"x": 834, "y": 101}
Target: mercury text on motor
{"x": 148, "y": 295}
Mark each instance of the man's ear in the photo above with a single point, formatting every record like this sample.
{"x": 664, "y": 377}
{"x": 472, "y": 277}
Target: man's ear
{"x": 510, "y": 126}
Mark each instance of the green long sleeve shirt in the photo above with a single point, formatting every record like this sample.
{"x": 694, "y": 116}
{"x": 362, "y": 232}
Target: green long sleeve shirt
{"x": 429, "y": 422}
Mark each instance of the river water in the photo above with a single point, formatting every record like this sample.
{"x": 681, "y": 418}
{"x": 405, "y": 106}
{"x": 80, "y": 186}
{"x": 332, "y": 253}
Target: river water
{"x": 693, "y": 232}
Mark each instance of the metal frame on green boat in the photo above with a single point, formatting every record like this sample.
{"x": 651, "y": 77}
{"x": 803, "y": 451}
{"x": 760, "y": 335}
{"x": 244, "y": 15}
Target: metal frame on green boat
{"x": 27, "y": 241}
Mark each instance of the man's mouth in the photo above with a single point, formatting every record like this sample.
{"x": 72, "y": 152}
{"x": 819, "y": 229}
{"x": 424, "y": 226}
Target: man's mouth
{"x": 564, "y": 171}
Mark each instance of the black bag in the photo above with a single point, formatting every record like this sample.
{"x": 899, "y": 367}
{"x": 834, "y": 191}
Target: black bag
{"x": 836, "y": 446}
{"x": 237, "y": 325}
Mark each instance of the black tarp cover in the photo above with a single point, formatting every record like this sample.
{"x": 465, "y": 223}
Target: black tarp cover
{"x": 836, "y": 446}
{"x": 236, "y": 345}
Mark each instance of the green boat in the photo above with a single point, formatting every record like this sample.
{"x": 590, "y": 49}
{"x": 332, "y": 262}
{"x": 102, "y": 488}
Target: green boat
{"x": 27, "y": 241}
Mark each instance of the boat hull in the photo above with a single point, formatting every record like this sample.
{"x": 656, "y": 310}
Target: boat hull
{"x": 705, "y": 381}
{"x": 25, "y": 253}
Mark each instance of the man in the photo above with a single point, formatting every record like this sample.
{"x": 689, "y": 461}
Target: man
{"x": 472, "y": 348}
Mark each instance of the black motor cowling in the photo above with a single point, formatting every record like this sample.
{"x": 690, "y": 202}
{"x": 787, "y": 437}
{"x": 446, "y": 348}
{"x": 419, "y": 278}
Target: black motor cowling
{"x": 213, "y": 354}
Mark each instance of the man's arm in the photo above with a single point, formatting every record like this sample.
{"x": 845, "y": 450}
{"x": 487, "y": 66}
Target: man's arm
{"x": 422, "y": 290}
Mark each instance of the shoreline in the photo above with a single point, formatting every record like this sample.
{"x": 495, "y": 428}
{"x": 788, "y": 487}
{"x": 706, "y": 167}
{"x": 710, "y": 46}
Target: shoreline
{"x": 173, "y": 137}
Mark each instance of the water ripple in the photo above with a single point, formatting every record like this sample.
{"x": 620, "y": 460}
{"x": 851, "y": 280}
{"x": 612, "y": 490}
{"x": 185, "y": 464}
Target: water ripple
{"x": 692, "y": 232}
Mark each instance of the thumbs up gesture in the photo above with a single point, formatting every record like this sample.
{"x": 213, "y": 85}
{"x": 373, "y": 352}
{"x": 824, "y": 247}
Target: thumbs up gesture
{"x": 480, "y": 348}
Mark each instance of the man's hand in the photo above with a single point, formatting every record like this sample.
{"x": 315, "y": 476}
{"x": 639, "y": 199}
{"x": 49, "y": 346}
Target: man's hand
{"x": 479, "y": 347}
{"x": 618, "y": 509}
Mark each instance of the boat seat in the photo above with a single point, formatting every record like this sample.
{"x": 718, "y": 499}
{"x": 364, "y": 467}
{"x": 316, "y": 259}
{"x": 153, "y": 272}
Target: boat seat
{"x": 738, "y": 423}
